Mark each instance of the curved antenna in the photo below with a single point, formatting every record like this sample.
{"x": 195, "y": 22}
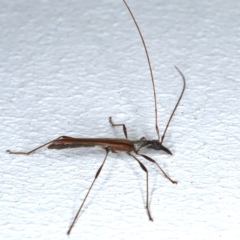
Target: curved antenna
{"x": 174, "y": 110}
{"x": 150, "y": 69}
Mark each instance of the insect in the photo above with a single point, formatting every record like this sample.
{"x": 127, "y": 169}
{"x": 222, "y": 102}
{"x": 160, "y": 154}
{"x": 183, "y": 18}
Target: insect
{"x": 132, "y": 148}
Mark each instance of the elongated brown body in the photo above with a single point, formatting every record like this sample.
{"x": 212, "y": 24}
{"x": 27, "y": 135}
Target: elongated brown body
{"x": 114, "y": 145}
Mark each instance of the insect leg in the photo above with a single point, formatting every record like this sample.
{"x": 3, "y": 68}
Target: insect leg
{"x": 146, "y": 171}
{"x": 35, "y": 149}
{"x": 79, "y": 210}
{"x": 151, "y": 160}
{"x": 123, "y": 125}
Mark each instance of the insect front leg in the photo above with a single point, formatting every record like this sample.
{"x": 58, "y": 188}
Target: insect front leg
{"x": 35, "y": 149}
{"x": 151, "y": 160}
{"x": 146, "y": 171}
{"x": 115, "y": 125}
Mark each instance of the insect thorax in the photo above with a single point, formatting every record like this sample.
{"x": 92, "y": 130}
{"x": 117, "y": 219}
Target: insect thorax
{"x": 140, "y": 144}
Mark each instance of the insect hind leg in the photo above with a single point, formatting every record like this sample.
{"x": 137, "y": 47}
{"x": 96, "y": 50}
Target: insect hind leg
{"x": 35, "y": 149}
{"x": 96, "y": 176}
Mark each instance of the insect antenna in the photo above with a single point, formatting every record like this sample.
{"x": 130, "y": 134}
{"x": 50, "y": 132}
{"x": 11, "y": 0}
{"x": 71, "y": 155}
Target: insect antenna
{"x": 150, "y": 69}
{"x": 153, "y": 84}
{"x": 174, "y": 110}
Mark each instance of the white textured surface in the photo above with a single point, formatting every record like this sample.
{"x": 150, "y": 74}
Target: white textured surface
{"x": 65, "y": 67}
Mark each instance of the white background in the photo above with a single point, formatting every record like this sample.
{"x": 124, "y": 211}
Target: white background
{"x": 66, "y": 66}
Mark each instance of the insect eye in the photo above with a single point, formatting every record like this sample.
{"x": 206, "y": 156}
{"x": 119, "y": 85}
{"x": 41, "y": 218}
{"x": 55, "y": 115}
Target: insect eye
{"x": 156, "y": 145}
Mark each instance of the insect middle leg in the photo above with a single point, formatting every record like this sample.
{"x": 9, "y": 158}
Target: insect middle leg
{"x": 35, "y": 149}
{"x": 115, "y": 125}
